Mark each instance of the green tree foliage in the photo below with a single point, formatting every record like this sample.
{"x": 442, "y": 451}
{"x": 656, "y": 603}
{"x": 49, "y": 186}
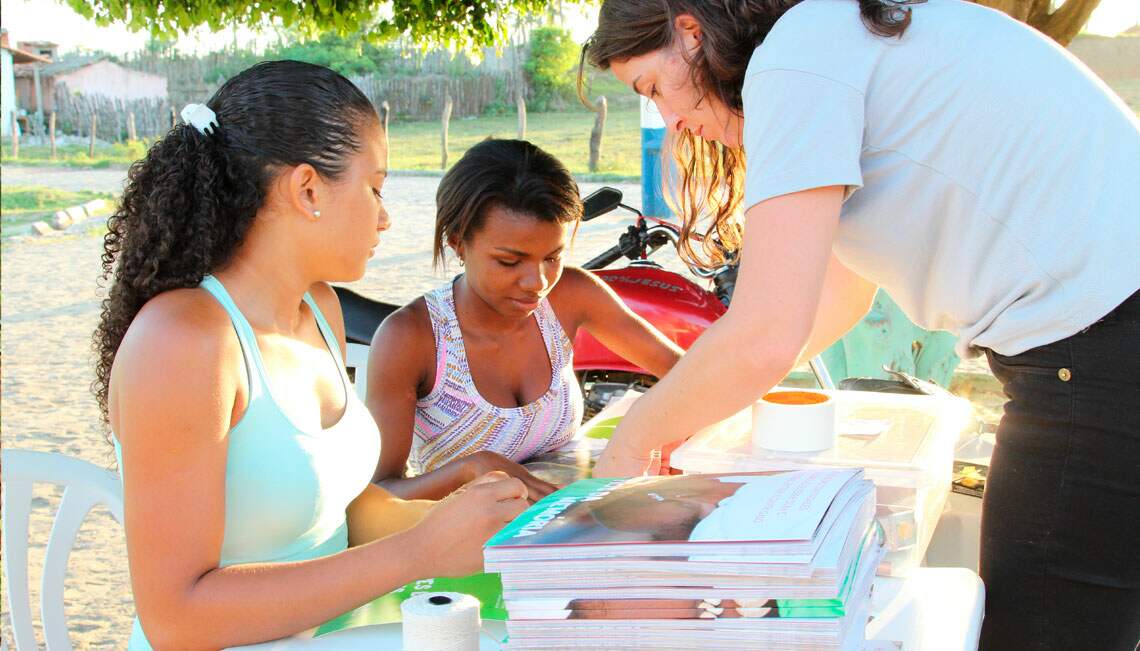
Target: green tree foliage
{"x": 458, "y": 24}
{"x": 348, "y": 55}
{"x": 552, "y": 56}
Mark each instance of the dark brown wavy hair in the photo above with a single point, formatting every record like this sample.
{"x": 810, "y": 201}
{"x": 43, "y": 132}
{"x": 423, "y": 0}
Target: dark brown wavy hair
{"x": 189, "y": 203}
{"x": 512, "y": 174}
{"x": 711, "y": 182}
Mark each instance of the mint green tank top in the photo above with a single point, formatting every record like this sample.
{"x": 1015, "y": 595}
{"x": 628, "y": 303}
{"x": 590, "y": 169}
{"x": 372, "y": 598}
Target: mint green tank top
{"x": 287, "y": 488}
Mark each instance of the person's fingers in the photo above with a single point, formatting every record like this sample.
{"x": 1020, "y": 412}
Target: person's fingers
{"x": 493, "y": 476}
{"x": 507, "y": 510}
{"x": 538, "y": 488}
{"x": 508, "y": 488}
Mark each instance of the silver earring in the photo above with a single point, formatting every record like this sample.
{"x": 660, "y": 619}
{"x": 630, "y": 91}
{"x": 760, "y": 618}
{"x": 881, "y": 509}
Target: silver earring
{"x": 317, "y": 214}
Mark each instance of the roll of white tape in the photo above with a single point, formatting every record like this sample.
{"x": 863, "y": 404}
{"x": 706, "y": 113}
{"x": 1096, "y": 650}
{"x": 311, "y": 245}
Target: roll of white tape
{"x": 441, "y": 621}
{"x": 793, "y": 421}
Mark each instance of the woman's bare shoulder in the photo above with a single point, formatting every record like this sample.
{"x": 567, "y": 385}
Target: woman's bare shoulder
{"x": 180, "y": 326}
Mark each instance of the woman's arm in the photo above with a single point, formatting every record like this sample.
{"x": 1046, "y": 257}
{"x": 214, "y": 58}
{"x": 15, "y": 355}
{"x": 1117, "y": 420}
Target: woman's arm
{"x": 603, "y": 314}
{"x": 173, "y": 429}
{"x": 377, "y": 514}
{"x": 787, "y": 249}
{"x": 845, "y": 299}
{"x": 401, "y": 360}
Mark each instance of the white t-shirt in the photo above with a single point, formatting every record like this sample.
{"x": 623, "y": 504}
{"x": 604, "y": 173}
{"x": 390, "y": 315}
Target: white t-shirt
{"x": 993, "y": 180}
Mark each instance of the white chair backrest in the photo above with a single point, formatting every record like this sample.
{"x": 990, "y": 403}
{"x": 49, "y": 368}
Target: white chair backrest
{"x": 356, "y": 357}
{"x": 85, "y": 485}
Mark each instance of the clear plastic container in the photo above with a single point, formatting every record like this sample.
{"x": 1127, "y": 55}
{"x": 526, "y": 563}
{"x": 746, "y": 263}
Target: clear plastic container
{"x": 905, "y": 443}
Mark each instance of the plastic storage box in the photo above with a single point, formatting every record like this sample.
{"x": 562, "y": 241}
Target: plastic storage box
{"x": 905, "y": 443}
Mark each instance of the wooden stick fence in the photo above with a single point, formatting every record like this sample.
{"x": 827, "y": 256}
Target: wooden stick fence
{"x": 116, "y": 119}
{"x": 422, "y": 98}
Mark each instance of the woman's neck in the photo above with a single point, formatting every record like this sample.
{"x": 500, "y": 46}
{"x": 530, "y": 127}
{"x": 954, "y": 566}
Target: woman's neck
{"x": 478, "y": 317}
{"x": 267, "y": 286}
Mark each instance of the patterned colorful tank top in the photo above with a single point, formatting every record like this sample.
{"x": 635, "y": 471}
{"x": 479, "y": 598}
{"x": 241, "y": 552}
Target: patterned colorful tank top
{"x": 454, "y": 420}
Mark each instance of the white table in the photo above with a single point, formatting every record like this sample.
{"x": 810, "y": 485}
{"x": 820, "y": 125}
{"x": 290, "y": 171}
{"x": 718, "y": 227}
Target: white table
{"x": 935, "y": 609}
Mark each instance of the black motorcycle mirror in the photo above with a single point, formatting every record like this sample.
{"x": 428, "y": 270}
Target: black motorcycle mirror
{"x": 600, "y": 202}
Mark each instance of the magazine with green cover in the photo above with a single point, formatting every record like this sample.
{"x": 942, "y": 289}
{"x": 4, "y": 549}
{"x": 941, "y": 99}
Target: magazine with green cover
{"x": 819, "y": 579}
{"x": 779, "y": 513}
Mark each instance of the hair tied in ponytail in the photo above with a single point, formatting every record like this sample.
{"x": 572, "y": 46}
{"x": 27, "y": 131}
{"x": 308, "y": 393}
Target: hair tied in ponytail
{"x": 201, "y": 117}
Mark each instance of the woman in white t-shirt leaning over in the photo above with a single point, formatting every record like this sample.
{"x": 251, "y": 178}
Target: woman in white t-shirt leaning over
{"x": 981, "y": 175}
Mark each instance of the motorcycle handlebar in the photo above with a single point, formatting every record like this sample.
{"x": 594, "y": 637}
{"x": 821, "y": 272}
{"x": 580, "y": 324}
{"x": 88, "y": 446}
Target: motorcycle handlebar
{"x": 610, "y": 256}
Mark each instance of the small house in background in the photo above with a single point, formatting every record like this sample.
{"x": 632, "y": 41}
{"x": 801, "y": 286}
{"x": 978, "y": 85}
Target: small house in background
{"x": 10, "y": 57}
{"x": 92, "y": 76}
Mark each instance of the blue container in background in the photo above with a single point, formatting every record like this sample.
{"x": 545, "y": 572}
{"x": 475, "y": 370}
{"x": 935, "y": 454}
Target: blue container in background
{"x": 652, "y": 141}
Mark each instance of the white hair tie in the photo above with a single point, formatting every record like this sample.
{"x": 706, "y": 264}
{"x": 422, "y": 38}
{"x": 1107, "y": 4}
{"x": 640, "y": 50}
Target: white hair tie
{"x": 202, "y": 117}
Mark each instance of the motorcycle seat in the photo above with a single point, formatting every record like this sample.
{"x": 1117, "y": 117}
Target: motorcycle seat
{"x": 362, "y": 315}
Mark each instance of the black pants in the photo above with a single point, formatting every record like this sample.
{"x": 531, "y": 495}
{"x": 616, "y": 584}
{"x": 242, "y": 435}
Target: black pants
{"x": 1060, "y": 550}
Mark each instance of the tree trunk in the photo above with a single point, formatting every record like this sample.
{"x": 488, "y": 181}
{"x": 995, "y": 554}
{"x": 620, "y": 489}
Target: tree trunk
{"x": 132, "y": 134}
{"x": 1061, "y": 24}
{"x": 520, "y": 102}
{"x": 383, "y": 115}
{"x": 15, "y": 136}
{"x": 447, "y": 103}
{"x": 91, "y": 143}
{"x": 600, "y": 109}
{"x": 51, "y": 133}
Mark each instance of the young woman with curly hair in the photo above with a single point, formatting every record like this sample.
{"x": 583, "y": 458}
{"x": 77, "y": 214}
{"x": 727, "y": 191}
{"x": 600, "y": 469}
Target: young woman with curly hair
{"x": 985, "y": 178}
{"x": 246, "y": 458}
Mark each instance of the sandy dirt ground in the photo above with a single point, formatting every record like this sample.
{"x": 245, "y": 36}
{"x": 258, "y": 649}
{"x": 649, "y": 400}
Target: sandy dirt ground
{"x": 50, "y": 306}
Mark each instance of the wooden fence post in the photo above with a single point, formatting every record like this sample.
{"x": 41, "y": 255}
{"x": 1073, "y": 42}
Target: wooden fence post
{"x": 15, "y": 136}
{"x": 94, "y": 125}
{"x": 600, "y": 109}
{"x": 132, "y": 134}
{"x": 384, "y": 135}
{"x": 447, "y": 103}
{"x": 51, "y": 133}
{"x": 520, "y": 102}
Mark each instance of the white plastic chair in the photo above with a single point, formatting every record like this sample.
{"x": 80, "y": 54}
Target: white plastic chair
{"x": 85, "y": 485}
{"x": 356, "y": 356}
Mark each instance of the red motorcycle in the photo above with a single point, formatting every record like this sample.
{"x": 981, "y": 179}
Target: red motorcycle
{"x": 678, "y": 307}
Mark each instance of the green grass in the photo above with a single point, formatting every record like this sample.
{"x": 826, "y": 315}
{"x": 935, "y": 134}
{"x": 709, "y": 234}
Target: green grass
{"x": 566, "y": 135}
{"x": 416, "y": 146}
{"x": 74, "y": 155}
{"x": 21, "y": 205}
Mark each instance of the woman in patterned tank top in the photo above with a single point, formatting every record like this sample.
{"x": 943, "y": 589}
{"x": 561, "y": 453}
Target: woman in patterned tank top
{"x": 478, "y": 375}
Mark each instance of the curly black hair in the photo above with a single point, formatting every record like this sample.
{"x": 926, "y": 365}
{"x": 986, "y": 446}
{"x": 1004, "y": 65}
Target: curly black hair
{"x": 189, "y": 203}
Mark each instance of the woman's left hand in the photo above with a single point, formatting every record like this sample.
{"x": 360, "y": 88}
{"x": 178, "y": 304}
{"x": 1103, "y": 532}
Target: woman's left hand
{"x": 485, "y": 461}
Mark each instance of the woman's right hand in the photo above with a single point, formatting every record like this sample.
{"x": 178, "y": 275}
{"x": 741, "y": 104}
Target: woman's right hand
{"x": 484, "y": 461}
{"x": 454, "y": 530}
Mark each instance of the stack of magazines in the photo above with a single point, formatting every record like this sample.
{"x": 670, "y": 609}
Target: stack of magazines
{"x": 773, "y": 560}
